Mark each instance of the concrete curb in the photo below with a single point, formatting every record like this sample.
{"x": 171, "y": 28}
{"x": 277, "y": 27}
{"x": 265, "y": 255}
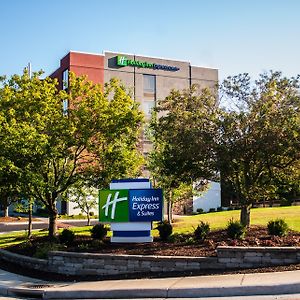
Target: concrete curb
{"x": 279, "y": 283}
{"x": 158, "y": 293}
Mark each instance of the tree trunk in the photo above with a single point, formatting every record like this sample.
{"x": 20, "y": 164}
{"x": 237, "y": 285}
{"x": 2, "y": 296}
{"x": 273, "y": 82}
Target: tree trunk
{"x": 52, "y": 223}
{"x": 30, "y": 219}
{"x": 245, "y": 215}
{"x": 89, "y": 218}
{"x": 169, "y": 208}
{"x": 5, "y": 209}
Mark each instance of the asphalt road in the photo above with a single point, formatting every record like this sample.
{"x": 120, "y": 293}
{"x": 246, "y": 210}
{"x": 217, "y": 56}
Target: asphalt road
{"x": 8, "y": 227}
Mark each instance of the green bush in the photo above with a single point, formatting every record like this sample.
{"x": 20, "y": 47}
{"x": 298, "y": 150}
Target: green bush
{"x": 200, "y": 210}
{"x": 99, "y": 231}
{"x": 235, "y": 229}
{"x": 212, "y": 210}
{"x": 67, "y": 237}
{"x": 43, "y": 249}
{"x": 278, "y": 227}
{"x": 165, "y": 230}
{"x": 220, "y": 208}
{"x": 98, "y": 244}
{"x": 201, "y": 232}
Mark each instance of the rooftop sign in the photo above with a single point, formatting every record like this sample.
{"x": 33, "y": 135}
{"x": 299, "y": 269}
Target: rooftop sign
{"x": 123, "y": 61}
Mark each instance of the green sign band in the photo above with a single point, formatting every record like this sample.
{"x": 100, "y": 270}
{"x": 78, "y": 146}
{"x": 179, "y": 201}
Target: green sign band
{"x": 123, "y": 61}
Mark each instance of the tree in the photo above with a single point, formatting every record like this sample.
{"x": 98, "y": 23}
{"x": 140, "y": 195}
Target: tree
{"x": 96, "y": 140}
{"x": 258, "y": 140}
{"x": 85, "y": 197}
{"x": 183, "y": 130}
{"x": 9, "y": 187}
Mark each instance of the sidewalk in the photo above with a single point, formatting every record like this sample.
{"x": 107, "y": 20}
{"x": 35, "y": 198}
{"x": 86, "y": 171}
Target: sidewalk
{"x": 181, "y": 287}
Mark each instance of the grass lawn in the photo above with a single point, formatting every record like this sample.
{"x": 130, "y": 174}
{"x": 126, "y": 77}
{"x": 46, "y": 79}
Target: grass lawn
{"x": 13, "y": 238}
{"x": 186, "y": 224}
{"x": 259, "y": 216}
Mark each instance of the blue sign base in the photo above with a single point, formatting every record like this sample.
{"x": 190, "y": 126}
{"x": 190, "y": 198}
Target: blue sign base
{"x": 131, "y": 232}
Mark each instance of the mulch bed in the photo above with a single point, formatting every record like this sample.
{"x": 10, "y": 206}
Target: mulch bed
{"x": 182, "y": 246}
{"x": 14, "y": 219}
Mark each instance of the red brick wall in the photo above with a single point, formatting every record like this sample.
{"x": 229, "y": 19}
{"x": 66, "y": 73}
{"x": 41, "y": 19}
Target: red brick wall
{"x": 91, "y": 65}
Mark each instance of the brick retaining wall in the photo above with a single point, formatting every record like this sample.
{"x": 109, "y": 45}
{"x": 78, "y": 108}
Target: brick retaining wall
{"x": 72, "y": 263}
{"x": 251, "y": 257}
{"x": 106, "y": 264}
{"x": 24, "y": 261}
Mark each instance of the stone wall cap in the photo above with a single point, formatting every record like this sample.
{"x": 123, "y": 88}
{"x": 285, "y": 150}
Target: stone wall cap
{"x": 129, "y": 257}
{"x": 265, "y": 249}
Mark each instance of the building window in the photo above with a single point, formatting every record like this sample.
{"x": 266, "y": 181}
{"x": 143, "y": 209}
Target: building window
{"x": 147, "y": 107}
{"x": 65, "y": 105}
{"x": 149, "y": 84}
{"x": 65, "y": 79}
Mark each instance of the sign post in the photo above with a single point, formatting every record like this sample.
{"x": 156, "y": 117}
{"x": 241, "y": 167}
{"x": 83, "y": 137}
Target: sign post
{"x": 130, "y": 206}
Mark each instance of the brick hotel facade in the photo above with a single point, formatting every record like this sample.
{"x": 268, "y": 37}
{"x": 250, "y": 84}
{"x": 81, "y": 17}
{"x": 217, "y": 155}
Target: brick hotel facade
{"x": 149, "y": 78}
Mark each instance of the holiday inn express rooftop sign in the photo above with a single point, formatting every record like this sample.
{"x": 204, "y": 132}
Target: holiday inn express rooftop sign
{"x": 123, "y": 61}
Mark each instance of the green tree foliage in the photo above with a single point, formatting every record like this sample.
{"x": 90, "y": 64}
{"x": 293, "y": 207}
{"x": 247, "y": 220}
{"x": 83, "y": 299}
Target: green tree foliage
{"x": 95, "y": 141}
{"x": 253, "y": 143}
{"x": 85, "y": 197}
{"x": 183, "y": 131}
{"x": 259, "y": 143}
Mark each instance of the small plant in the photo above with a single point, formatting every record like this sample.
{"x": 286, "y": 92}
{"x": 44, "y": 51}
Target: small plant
{"x": 212, "y": 210}
{"x": 235, "y": 229}
{"x": 200, "y": 210}
{"x": 165, "y": 229}
{"x": 277, "y": 227}
{"x": 220, "y": 208}
{"x": 43, "y": 249}
{"x": 99, "y": 231}
{"x": 201, "y": 232}
{"x": 98, "y": 244}
{"x": 67, "y": 237}
{"x": 83, "y": 247}
{"x": 190, "y": 241}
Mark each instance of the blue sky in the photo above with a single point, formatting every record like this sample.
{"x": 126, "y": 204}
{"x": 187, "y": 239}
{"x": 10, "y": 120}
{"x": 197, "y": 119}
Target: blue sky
{"x": 234, "y": 36}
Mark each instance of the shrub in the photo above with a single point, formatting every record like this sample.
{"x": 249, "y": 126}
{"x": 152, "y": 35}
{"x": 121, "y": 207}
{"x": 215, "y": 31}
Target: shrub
{"x": 99, "y": 231}
{"x": 190, "y": 241}
{"x": 97, "y": 244}
{"x": 43, "y": 249}
{"x": 67, "y": 237}
{"x": 201, "y": 231}
{"x": 165, "y": 230}
{"x": 278, "y": 227}
{"x": 200, "y": 210}
{"x": 212, "y": 210}
{"x": 235, "y": 229}
{"x": 220, "y": 208}
{"x": 83, "y": 247}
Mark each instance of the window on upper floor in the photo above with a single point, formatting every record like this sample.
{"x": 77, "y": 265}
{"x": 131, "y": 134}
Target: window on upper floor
{"x": 65, "y": 79}
{"x": 65, "y": 105}
{"x": 147, "y": 106}
{"x": 149, "y": 84}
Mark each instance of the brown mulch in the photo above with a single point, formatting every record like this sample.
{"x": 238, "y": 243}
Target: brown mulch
{"x": 181, "y": 246}
{"x": 14, "y": 219}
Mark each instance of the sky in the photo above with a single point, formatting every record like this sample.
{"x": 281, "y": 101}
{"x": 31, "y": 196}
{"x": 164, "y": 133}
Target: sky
{"x": 234, "y": 36}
